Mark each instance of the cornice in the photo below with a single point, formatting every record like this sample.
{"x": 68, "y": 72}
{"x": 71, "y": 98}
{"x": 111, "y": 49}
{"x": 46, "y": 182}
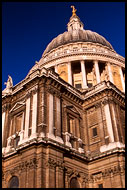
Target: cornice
{"x": 96, "y": 51}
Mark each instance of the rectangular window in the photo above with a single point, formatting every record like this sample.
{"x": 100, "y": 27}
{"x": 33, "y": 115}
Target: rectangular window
{"x": 18, "y": 123}
{"x": 71, "y": 124}
{"x": 94, "y": 131}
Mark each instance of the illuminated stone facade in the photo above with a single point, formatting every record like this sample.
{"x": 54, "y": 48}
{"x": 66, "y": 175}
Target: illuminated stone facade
{"x": 64, "y": 124}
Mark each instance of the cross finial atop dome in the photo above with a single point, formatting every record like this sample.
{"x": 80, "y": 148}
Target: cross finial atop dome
{"x": 74, "y": 23}
{"x": 73, "y": 10}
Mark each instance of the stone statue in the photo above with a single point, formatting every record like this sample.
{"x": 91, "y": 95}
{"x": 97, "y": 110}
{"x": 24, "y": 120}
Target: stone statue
{"x": 9, "y": 83}
{"x": 73, "y": 11}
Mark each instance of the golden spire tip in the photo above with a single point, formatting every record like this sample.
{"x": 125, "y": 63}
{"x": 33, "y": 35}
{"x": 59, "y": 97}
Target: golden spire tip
{"x": 73, "y": 10}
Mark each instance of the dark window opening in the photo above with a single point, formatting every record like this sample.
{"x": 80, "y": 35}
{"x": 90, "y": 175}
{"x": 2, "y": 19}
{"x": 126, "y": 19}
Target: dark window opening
{"x": 14, "y": 182}
{"x": 100, "y": 185}
{"x": 74, "y": 183}
{"x": 78, "y": 85}
{"x": 94, "y": 131}
{"x": 53, "y": 69}
{"x": 90, "y": 85}
{"x": 16, "y": 140}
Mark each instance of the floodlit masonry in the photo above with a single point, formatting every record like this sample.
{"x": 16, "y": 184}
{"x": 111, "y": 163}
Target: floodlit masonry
{"x": 63, "y": 126}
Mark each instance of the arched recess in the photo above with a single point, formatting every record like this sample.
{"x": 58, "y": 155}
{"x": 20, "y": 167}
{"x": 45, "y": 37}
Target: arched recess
{"x": 13, "y": 182}
{"x": 74, "y": 183}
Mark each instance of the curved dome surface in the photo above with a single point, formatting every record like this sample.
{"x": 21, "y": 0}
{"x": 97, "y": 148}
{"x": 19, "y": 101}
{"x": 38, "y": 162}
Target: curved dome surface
{"x": 77, "y": 36}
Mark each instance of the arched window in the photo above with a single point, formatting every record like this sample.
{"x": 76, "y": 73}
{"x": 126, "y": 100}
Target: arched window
{"x": 14, "y": 182}
{"x": 74, "y": 183}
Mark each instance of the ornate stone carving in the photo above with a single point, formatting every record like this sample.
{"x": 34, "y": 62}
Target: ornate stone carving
{"x": 105, "y": 101}
{"x": 31, "y": 91}
{"x": 23, "y": 165}
{"x": 5, "y": 107}
{"x": 28, "y": 94}
{"x": 9, "y": 83}
{"x": 54, "y": 163}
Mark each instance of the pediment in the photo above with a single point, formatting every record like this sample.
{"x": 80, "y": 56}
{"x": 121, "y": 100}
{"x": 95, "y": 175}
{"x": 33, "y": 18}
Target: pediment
{"x": 17, "y": 106}
{"x": 73, "y": 109}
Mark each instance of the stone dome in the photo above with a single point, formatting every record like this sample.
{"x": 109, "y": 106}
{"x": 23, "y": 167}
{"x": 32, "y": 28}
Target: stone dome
{"x": 77, "y": 36}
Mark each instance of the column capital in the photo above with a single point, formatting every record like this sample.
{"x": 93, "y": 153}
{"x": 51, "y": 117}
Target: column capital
{"x": 95, "y": 61}
{"x": 82, "y": 61}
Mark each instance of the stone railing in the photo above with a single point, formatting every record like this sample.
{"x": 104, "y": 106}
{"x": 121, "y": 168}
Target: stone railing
{"x": 106, "y": 52}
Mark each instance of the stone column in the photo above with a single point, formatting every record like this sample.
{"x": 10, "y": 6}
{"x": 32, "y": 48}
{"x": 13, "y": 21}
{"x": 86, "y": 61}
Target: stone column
{"x": 83, "y": 70}
{"x": 110, "y": 72}
{"x": 3, "y": 122}
{"x": 34, "y": 113}
{"x": 27, "y": 116}
{"x": 69, "y": 73}
{"x": 122, "y": 79}
{"x": 109, "y": 122}
{"x": 96, "y": 66}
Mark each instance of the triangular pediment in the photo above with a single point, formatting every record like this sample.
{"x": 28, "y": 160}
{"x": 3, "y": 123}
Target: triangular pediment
{"x": 17, "y": 106}
{"x": 74, "y": 109}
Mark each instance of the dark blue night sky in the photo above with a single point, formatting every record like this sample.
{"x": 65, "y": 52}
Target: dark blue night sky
{"x": 28, "y": 27}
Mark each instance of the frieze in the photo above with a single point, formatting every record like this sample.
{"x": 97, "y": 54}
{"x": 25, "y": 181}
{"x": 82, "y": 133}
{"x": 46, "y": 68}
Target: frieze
{"x": 76, "y": 173}
{"x": 97, "y": 105}
{"x": 105, "y": 101}
{"x": 53, "y": 163}
{"x": 50, "y": 90}
{"x": 104, "y": 173}
{"x": 22, "y": 166}
{"x": 107, "y": 172}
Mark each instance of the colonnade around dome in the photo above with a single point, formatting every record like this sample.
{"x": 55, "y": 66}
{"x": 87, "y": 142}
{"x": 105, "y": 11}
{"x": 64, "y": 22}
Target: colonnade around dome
{"x": 84, "y": 73}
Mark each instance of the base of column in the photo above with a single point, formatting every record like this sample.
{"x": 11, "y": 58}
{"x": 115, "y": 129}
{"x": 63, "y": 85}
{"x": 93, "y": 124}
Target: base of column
{"x": 84, "y": 87}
